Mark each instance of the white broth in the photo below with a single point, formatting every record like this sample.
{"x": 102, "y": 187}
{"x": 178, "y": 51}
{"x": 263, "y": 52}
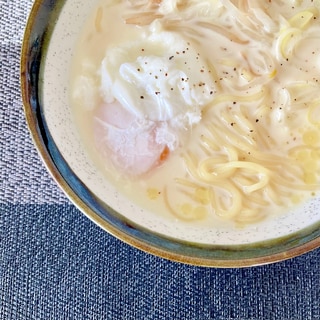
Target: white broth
{"x": 203, "y": 111}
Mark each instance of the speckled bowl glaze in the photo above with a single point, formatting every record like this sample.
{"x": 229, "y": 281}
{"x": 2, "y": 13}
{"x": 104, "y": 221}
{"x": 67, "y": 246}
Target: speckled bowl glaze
{"x": 50, "y": 37}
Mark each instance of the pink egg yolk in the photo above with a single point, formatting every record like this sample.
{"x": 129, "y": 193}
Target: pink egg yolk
{"x": 129, "y": 142}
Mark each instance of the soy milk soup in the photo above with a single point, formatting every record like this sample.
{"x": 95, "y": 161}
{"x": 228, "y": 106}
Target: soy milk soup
{"x": 203, "y": 111}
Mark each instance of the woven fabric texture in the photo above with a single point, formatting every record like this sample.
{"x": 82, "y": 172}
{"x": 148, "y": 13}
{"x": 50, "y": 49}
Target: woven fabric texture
{"x": 22, "y": 173}
{"x": 56, "y": 264}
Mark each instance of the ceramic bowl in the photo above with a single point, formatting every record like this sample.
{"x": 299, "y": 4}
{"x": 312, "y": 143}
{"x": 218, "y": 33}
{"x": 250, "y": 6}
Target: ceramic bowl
{"x": 50, "y": 37}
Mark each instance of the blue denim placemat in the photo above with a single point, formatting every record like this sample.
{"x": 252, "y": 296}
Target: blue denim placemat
{"x": 56, "y": 264}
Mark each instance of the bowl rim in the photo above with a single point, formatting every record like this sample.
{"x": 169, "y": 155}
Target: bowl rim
{"x": 32, "y": 51}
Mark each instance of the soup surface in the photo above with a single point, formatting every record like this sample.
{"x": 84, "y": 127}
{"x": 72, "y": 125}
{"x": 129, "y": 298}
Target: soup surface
{"x": 203, "y": 111}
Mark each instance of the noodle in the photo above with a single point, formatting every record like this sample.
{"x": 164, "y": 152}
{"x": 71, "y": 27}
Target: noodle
{"x": 98, "y": 20}
{"x": 254, "y": 147}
